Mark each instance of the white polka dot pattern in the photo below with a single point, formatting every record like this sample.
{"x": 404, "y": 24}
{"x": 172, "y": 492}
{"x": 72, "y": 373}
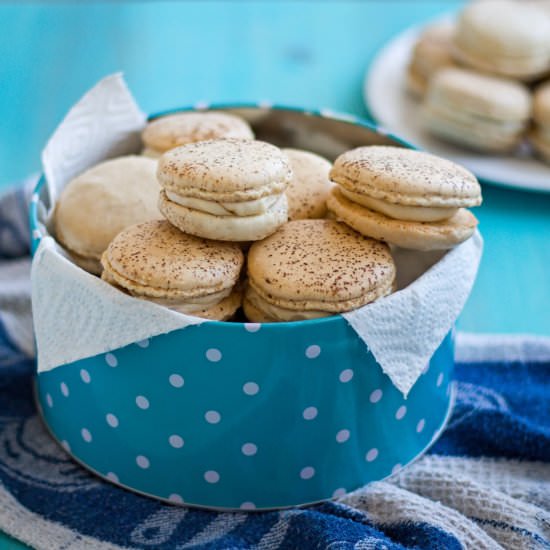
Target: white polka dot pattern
{"x": 176, "y": 380}
{"x": 310, "y": 413}
{"x": 212, "y": 417}
{"x": 346, "y": 375}
{"x": 313, "y": 351}
{"x": 251, "y": 388}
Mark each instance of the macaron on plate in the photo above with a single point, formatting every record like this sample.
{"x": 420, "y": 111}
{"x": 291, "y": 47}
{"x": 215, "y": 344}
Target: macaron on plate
{"x": 393, "y": 108}
{"x": 255, "y": 415}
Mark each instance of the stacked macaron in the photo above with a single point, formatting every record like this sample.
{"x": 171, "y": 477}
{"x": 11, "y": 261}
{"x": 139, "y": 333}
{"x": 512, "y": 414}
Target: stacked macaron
{"x": 157, "y": 262}
{"x": 473, "y": 74}
{"x": 227, "y": 189}
{"x": 407, "y": 198}
{"x": 168, "y": 132}
{"x": 102, "y": 201}
{"x": 504, "y": 37}
{"x": 432, "y": 52}
{"x": 216, "y": 194}
{"x": 309, "y": 186}
{"x": 483, "y": 112}
{"x": 315, "y": 268}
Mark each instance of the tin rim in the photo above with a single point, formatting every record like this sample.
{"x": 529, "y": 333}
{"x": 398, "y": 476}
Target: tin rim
{"x": 37, "y": 234}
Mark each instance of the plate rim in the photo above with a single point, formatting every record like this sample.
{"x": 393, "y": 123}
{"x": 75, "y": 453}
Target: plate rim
{"x": 407, "y": 34}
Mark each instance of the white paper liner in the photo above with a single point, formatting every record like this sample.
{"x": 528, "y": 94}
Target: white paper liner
{"x": 404, "y": 329}
{"x": 105, "y": 123}
{"x": 77, "y": 315}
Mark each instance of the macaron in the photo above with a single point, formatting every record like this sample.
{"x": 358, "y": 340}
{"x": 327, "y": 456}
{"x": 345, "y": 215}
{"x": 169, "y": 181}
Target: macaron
{"x": 167, "y": 132}
{"x": 504, "y": 37}
{"x": 155, "y": 261}
{"x": 315, "y": 268}
{"x": 310, "y": 185}
{"x": 101, "y": 202}
{"x": 227, "y": 189}
{"x": 404, "y": 197}
{"x": 540, "y": 133}
{"x": 481, "y": 112}
{"x": 431, "y": 52}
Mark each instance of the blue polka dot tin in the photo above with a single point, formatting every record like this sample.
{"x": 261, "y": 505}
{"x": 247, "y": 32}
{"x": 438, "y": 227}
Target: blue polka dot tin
{"x": 243, "y": 415}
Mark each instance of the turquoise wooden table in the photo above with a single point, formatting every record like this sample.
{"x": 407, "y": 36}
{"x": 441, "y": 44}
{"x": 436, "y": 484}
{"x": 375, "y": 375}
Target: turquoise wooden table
{"x": 305, "y": 54}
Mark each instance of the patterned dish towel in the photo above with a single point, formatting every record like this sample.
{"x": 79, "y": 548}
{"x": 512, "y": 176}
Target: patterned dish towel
{"x": 484, "y": 485}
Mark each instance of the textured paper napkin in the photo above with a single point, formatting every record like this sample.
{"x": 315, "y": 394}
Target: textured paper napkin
{"x": 77, "y": 315}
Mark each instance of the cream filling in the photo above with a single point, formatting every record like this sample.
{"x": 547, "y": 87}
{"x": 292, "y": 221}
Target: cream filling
{"x": 281, "y": 313}
{"x": 399, "y": 211}
{"x": 189, "y": 305}
{"x": 244, "y": 208}
{"x": 183, "y": 305}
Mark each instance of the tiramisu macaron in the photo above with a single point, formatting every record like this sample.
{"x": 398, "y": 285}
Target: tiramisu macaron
{"x": 540, "y": 134}
{"x": 315, "y": 268}
{"x": 481, "y": 112}
{"x": 227, "y": 189}
{"x": 167, "y": 132}
{"x": 155, "y": 261}
{"x": 504, "y": 37}
{"x": 102, "y": 201}
{"x": 310, "y": 185}
{"x": 432, "y": 52}
{"x": 404, "y": 197}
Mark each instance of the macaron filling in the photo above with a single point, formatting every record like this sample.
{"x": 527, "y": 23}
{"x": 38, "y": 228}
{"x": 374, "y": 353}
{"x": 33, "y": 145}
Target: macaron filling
{"x": 399, "y": 211}
{"x": 279, "y": 313}
{"x": 162, "y": 296}
{"x": 242, "y": 208}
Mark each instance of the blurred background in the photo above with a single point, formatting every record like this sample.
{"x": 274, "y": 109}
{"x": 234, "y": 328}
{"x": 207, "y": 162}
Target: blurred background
{"x": 307, "y": 54}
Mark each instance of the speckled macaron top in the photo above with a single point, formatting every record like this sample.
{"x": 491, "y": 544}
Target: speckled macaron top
{"x": 541, "y": 104}
{"x": 225, "y": 170}
{"x": 310, "y": 185}
{"x": 156, "y": 259}
{"x": 103, "y": 200}
{"x": 407, "y": 177}
{"x": 167, "y": 132}
{"x": 320, "y": 264}
{"x": 485, "y": 95}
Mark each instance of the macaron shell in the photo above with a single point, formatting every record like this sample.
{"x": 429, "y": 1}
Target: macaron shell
{"x": 167, "y": 132}
{"x": 505, "y": 37}
{"x": 223, "y": 310}
{"x": 310, "y": 185}
{"x": 102, "y": 201}
{"x": 489, "y": 96}
{"x": 227, "y": 170}
{"x": 255, "y": 315}
{"x": 541, "y": 104}
{"x": 407, "y": 177}
{"x": 158, "y": 260}
{"x": 319, "y": 265}
{"x": 406, "y": 234}
{"x": 472, "y": 131}
{"x": 224, "y": 228}
{"x": 91, "y": 265}
{"x": 278, "y": 313}
{"x": 432, "y": 51}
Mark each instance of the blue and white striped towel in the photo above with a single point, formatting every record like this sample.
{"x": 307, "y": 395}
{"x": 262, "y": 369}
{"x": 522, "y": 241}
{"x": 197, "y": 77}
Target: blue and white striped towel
{"x": 484, "y": 485}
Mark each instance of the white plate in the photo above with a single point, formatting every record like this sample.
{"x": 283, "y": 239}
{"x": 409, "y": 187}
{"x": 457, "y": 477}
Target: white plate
{"x": 395, "y": 110}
